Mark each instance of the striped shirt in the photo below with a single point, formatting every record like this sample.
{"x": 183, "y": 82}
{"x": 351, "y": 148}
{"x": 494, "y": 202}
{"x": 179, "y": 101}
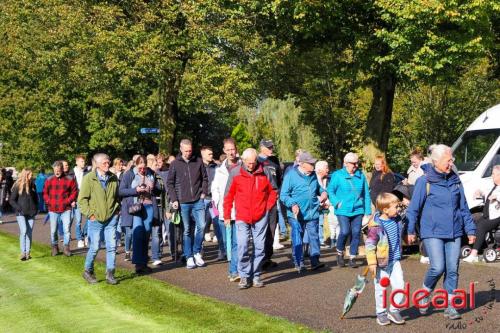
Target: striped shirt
{"x": 393, "y": 230}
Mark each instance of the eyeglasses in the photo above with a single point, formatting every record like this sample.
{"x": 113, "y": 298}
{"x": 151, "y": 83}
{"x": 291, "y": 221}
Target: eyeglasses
{"x": 353, "y": 163}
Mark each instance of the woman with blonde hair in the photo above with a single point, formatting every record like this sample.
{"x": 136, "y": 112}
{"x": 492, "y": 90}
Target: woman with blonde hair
{"x": 24, "y": 201}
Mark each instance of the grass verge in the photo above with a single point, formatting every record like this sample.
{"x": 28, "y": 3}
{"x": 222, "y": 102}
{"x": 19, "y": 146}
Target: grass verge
{"x": 48, "y": 294}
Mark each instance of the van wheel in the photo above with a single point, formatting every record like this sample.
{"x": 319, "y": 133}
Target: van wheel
{"x": 465, "y": 251}
{"x": 490, "y": 255}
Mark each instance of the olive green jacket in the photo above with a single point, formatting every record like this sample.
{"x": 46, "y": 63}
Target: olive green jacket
{"x": 94, "y": 200}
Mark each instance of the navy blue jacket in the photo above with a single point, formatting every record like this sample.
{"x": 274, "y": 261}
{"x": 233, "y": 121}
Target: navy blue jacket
{"x": 127, "y": 193}
{"x": 444, "y": 212}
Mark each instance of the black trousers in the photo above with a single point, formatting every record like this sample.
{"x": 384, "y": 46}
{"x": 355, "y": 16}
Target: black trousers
{"x": 272, "y": 218}
{"x": 482, "y": 227}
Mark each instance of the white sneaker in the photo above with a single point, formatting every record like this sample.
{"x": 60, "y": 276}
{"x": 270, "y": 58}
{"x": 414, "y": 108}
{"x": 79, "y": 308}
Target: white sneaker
{"x": 214, "y": 239}
{"x": 471, "y": 259}
{"x": 208, "y": 238}
{"x": 198, "y": 260}
{"x": 424, "y": 260}
{"x": 157, "y": 263}
{"x": 81, "y": 244}
{"x": 190, "y": 263}
{"x": 278, "y": 246}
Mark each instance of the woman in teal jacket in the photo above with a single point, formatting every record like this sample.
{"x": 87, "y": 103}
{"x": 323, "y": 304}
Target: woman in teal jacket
{"x": 349, "y": 194}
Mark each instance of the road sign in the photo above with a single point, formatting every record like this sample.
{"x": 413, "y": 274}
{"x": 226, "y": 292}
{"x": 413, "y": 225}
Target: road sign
{"x": 149, "y": 130}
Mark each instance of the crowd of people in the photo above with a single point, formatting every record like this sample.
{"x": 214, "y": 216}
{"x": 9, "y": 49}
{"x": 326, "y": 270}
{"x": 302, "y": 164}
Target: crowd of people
{"x": 247, "y": 199}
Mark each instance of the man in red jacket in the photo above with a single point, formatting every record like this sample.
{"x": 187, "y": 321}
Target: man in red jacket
{"x": 252, "y": 194}
{"x": 60, "y": 192}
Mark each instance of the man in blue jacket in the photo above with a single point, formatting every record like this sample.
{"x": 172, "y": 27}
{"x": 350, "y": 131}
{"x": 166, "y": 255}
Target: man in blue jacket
{"x": 299, "y": 193}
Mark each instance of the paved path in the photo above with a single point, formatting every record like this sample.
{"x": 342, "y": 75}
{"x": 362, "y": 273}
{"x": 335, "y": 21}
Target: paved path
{"x": 316, "y": 298}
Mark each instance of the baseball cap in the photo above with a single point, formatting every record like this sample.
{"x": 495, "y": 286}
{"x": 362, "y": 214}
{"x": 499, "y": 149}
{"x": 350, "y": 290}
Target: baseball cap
{"x": 267, "y": 143}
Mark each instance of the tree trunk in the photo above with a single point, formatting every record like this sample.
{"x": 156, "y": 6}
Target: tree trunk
{"x": 380, "y": 115}
{"x": 169, "y": 108}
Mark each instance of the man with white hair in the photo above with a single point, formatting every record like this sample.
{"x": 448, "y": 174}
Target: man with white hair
{"x": 251, "y": 193}
{"x": 302, "y": 196}
{"x": 99, "y": 201}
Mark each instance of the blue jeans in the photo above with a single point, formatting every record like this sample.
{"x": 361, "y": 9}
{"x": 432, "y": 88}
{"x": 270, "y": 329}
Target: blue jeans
{"x": 394, "y": 272}
{"x": 156, "y": 242}
{"x": 96, "y": 229}
{"x": 41, "y": 203}
{"x": 250, "y": 266}
{"x": 349, "y": 225}
{"x": 193, "y": 219}
{"x": 233, "y": 264}
{"x": 118, "y": 231}
{"x": 141, "y": 231}
{"x": 281, "y": 221}
{"x": 320, "y": 228}
{"x": 443, "y": 256}
{"x": 65, "y": 218}
{"x": 217, "y": 230}
{"x": 128, "y": 238}
{"x": 25, "y": 232}
{"x": 298, "y": 229}
{"x": 80, "y": 232}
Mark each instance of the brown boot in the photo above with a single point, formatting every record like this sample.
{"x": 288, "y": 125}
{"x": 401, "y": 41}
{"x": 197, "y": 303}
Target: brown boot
{"x": 67, "y": 251}
{"x": 55, "y": 250}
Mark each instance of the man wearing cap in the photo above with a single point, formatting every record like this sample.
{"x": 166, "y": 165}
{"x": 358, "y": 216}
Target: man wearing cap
{"x": 273, "y": 172}
{"x": 302, "y": 195}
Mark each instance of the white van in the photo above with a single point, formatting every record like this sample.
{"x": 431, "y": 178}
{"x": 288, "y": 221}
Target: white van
{"x": 476, "y": 151}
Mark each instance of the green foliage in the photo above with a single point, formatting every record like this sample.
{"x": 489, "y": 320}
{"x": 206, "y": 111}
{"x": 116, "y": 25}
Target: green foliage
{"x": 280, "y": 121}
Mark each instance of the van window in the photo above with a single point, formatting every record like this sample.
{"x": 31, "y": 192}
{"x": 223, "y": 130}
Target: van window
{"x": 472, "y": 148}
{"x": 494, "y": 161}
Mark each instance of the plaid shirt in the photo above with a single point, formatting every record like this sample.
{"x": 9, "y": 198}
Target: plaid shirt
{"x": 59, "y": 193}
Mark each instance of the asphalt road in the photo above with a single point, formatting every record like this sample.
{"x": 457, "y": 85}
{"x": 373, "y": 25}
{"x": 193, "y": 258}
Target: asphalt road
{"x": 316, "y": 298}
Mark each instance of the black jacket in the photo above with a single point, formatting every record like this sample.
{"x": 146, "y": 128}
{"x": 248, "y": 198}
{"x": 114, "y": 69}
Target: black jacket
{"x": 24, "y": 203}
{"x": 210, "y": 169}
{"x": 380, "y": 184}
{"x": 272, "y": 170}
{"x": 187, "y": 180}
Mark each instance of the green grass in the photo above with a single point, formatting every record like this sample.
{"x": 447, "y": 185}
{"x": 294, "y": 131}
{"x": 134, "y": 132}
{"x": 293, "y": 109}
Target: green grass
{"x": 48, "y": 294}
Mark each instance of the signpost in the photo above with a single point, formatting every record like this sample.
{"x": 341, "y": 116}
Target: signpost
{"x": 149, "y": 130}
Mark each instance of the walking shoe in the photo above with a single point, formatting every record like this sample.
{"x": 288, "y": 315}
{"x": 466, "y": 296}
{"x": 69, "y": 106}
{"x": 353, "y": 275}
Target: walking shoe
{"x": 382, "y": 319}
{"x": 81, "y": 244}
{"x": 300, "y": 268}
{"x": 139, "y": 269}
{"x": 425, "y": 300}
{"x": 452, "y": 313}
{"x": 323, "y": 245}
{"x": 89, "y": 276}
{"x": 424, "y": 260}
{"x": 244, "y": 284}
{"x": 278, "y": 246}
{"x": 157, "y": 262}
{"x": 127, "y": 256}
{"x": 352, "y": 263}
{"x": 22, "y": 257}
{"x": 67, "y": 251}
{"x": 198, "y": 260}
{"x": 110, "y": 277}
{"x": 471, "y": 259}
{"x": 395, "y": 317}
{"x": 234, "y": 278}
{"x": 340, "y": 260}
{"x": 317, "y": 266}
{"x": 55, "y": 250}
{"x": 257, "y": 283}
{"x": 190, "y": 263}
{"x": 28, "y": 256}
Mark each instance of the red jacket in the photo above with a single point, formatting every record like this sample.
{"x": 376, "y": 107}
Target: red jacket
{"x": 59, "y": 193}
{"x": 252, "y": 194}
